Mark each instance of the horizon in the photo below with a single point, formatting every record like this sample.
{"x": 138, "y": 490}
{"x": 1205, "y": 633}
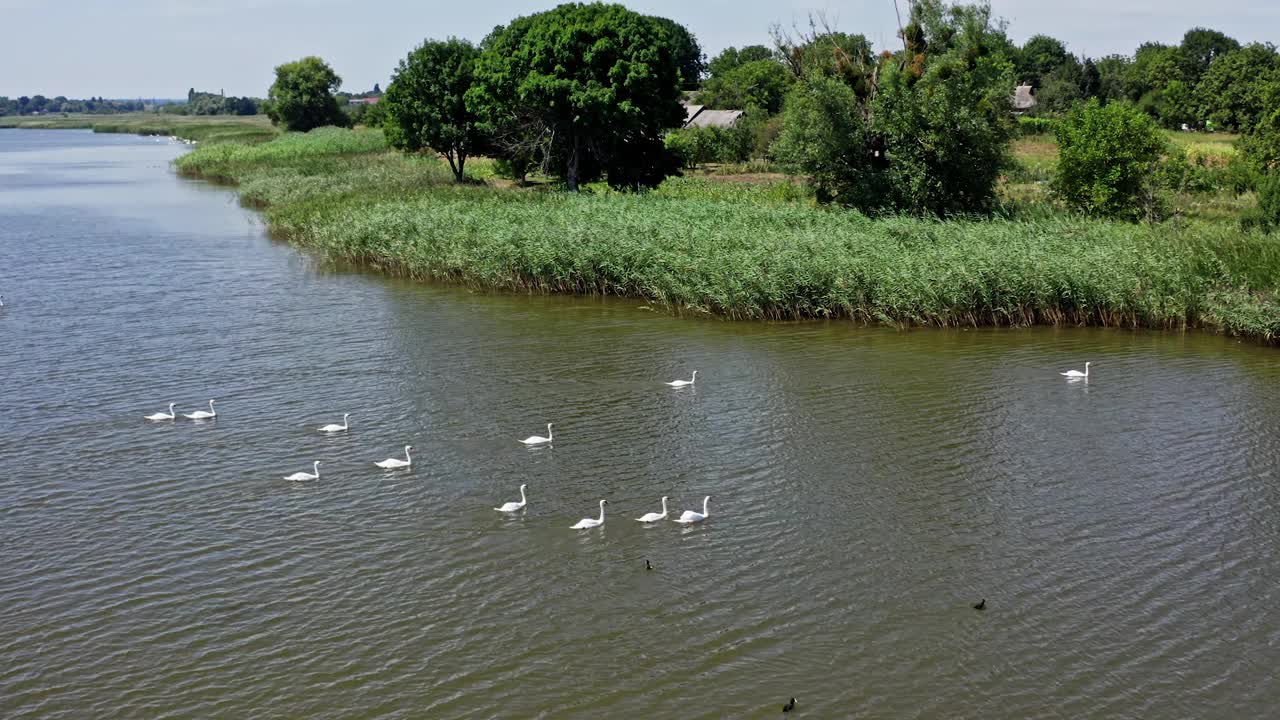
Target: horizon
{"x": 363, "y": 48}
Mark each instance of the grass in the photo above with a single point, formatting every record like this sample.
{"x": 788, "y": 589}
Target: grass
{"x": 203, "y": 128}
{"x": 748, "y": 250}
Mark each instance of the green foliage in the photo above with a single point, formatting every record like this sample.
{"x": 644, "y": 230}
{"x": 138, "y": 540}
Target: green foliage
{"x": 701, "y": 145}
{"x": 1107, "y": 159}
{"x": 732, "y": 57}
{"x": 372, "y": 115}
{"x": 758, "y": 84}
{"x": 1041, "y": 55}
{"x": 750, "y": 251}
{"x": 1232, "y": 93}
{"x": 931, "y": 135}
{"x": 688, "y": 53}
{"x": 206, "y": 103}
{"x": 1260, "y": 148}
{"x": 1028, "y": 126}
{"x": 588, "y": 89}
{"x": 1269, "y": 200}
{"x": 1200, "y": 48}
{"x": 302, "y": 98}
{"x": 425, "y": 104}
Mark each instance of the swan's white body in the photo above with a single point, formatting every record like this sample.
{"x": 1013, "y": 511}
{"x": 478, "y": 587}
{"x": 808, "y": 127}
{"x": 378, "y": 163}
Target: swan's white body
{"x": 201, "y": 414}
{"x": 689, "y": 516}
{"x": 655, "y": 517}
{"x": 588, "y": 523}
{"x": 538, "y": 439}
{"x": 390, "y": 463}
{"x": 513, "y": 506}
{"x": 1077, "y": 373}
{"x": 334, "y": 427}
{"x": 682, "y": 383}
{"x": 304, "y": 476}
{"x": 163, "y": 416}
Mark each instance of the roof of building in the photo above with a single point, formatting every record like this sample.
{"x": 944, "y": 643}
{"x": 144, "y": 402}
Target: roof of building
{"x": 714, "y": 118}
{"x": 1023, "y": 97}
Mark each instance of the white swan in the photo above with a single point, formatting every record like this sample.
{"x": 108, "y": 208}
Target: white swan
{"x": 163, "y": 416}
{"x": 201, "y": 414}
{"x": 513, "y": 506}
{"x": 1077, "y": 373}
{"x": 538, "y": 439}
{"x": 304, "y": 476}
{"x": 587, "y": 523}
{"x": 655, "y": 517}
{"x": 682, "y": 383}
{"x": 390, "y": 463}
{"x": 334, "y": 427}
{"x": 689, "y": 516}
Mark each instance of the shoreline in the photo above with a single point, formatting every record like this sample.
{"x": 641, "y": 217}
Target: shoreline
{"x": 695, "y": 246}
{"x": 193, "y": 128}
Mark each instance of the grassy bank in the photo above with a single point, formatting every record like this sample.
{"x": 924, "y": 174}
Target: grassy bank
{"x": 203, "y": 128}
{"x": 749, "y": 251}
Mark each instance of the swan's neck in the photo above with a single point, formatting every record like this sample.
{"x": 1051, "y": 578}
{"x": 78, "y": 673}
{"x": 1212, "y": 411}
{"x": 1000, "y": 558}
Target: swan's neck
{"x": 316, "y": 467}
{"x": 601, "y": 512}
{"x": 664, "y": 506}
{"x": 211, "y": 410}
{"x": 406, "y": 455}
{"x": 704, "y": 505}
{"x": 1086, "y": 369}
{"x": 549, "y": 435}
{"x": 522, "y": 494}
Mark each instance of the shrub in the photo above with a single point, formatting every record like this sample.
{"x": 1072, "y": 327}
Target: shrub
{"x": 700, "y": 145}
{"x": 1107, "y": 158}
{"x": 1036, "y": 126}
{"x": 1269, "y": 201}
{"x": 302, "y": 98}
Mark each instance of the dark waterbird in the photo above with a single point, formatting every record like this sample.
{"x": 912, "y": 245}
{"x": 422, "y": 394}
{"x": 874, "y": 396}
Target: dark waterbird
{"x": 981, "y": 605}
{"x": 647, "y": 566}
{"x": 791, "y": 705}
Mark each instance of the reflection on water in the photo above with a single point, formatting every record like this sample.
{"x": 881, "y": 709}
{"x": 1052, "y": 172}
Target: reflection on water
{"x": 868, "y": 486}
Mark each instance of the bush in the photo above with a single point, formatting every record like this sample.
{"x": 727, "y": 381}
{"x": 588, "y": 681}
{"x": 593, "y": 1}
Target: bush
{"x": 702, "y": 145}
{"x": 1036, "y": 126}
{"x": 301, "y": 98}
{"x": 1269, "y": 201}
{"x": 1107, "y": 160}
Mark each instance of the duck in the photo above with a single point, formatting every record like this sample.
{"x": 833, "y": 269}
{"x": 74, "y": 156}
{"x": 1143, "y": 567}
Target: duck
{"x": 511, "y": 507}
{"x": 690, "y": 516}
{"x": 588, "y": 523}
{"x": 981, "y": 605}
{"x": 647, "y": 566}
{"x": 791, "y": 705}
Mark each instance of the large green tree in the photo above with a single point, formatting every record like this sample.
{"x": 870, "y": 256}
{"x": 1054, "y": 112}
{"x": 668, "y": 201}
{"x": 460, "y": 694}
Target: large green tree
{"x": 1231, "y": 94}
{"x": 302, "y": 98}
{"x": 591, "y": 87}
{"x": 1107, "y": 156}
{"x": 425, "y": 105}
{"x": 926, "y": 130}
{"x": 732, "y": 57}
{"x": 689, "y": 56}
{"x": 759, "y": 84}
{"x": 1039, "y": 56}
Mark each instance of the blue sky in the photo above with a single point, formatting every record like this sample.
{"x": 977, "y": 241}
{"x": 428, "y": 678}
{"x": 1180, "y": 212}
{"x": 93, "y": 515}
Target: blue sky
{"x": 159, "y": 48}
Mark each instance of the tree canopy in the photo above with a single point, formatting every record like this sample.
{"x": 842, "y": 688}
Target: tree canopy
{"x": 302, "y": 98}
{"x": 425, "y": 105}
{"x": 591, "y": 87}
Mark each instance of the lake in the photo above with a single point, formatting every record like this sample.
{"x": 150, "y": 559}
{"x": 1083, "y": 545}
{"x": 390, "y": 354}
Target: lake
{"x": 867, "y": 485}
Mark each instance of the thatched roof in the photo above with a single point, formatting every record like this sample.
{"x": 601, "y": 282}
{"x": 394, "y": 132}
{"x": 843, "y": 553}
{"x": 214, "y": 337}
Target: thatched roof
{"x": 1023, "y": 97}
{"x": 714, "y": 118}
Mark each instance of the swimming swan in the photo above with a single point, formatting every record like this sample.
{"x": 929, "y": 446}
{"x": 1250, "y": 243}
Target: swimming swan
{"x": 201, "y": 414}
{"x": 586, "y": 523}
{"x": 538, "y": 439}
{"x": 334, "y": 427}
{"x": 1077, "y": 373}
{"x": 682, "y": 383}
{"x": 689, "y": 516}
{"x": 304, "y": 476}
{"x": 390, "y": 463}
{"x": 163, "y": 416}
{"x": 511, "y": 507}
{"x": 655, "y": 517}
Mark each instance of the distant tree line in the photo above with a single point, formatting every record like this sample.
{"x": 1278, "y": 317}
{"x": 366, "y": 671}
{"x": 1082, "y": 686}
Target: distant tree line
{"x": 207, "y": 103}
{"x": 37, "y": 104}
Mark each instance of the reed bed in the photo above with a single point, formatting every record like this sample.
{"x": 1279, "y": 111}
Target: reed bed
{"x": 752, "y": 252}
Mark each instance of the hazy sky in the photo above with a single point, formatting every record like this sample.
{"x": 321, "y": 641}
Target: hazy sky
{"x": 159, "y": 48}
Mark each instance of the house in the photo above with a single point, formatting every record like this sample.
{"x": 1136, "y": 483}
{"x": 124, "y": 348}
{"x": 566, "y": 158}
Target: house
{"x": 1024, "y": 98}
{"x": 699, "y": 116}
{"x": 364, "y": 101}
